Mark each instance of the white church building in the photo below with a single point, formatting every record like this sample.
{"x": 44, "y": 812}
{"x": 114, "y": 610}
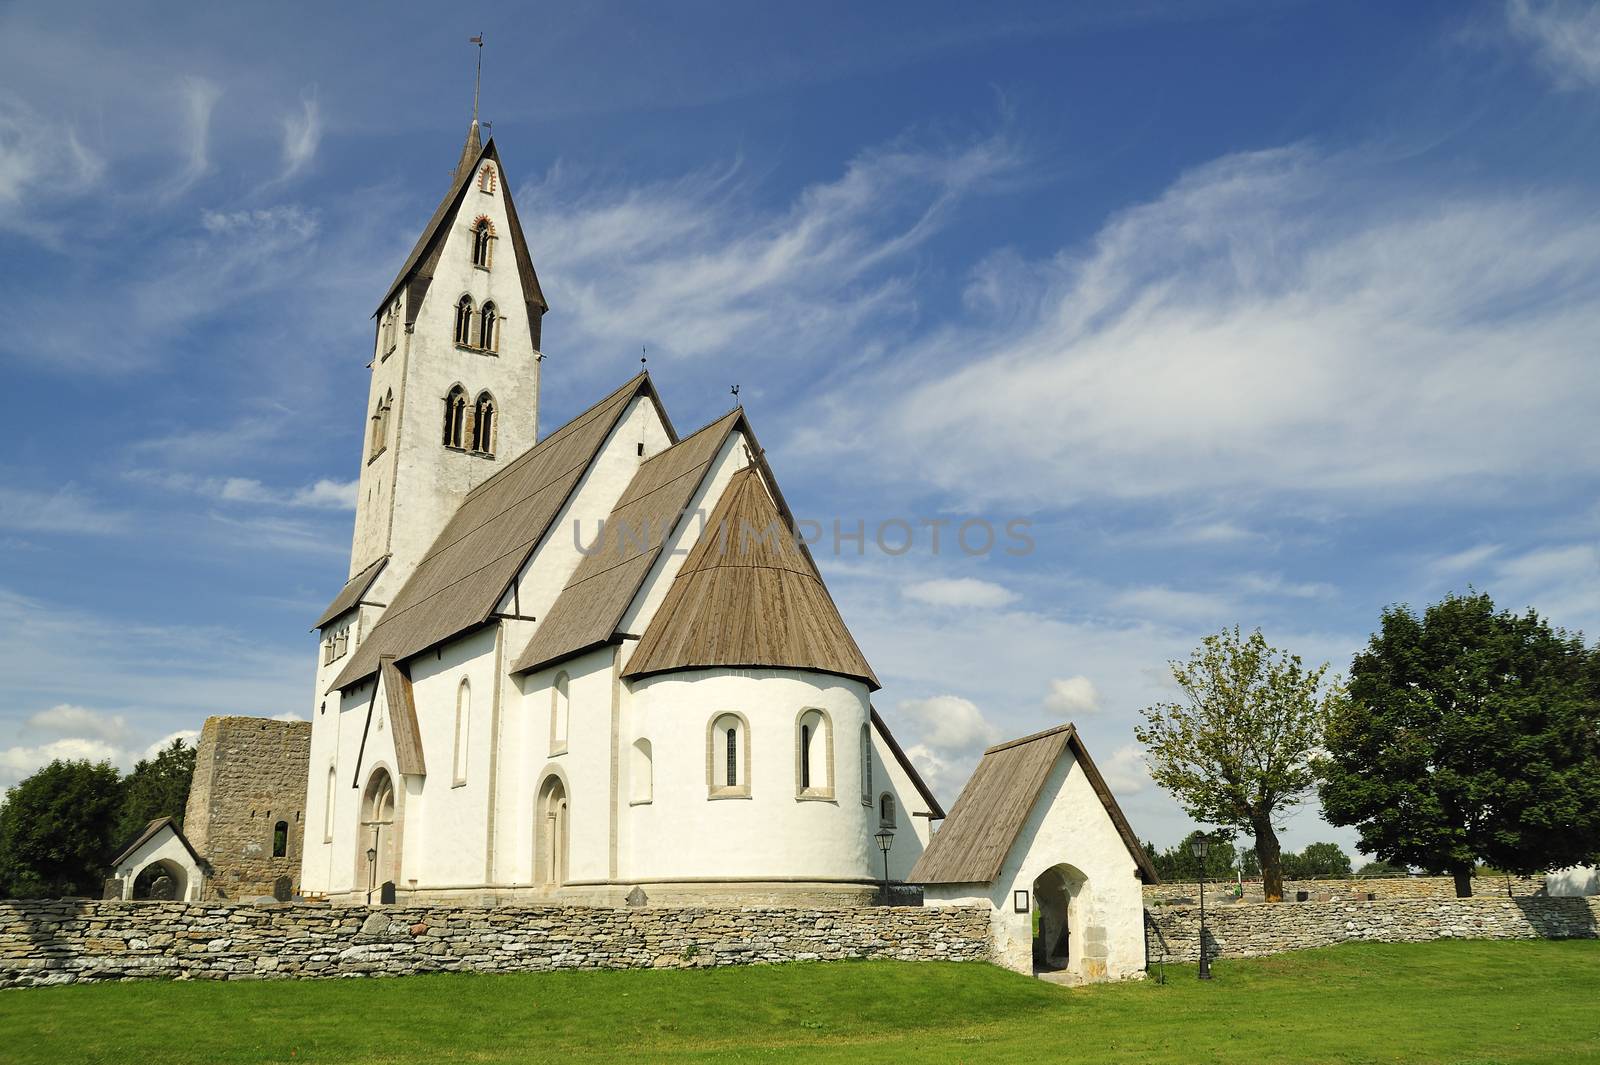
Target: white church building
{"x": 596, "y": 666}
{"x": 571, "y": 665}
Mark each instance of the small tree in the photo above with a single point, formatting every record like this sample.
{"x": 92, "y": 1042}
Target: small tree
{"x": 157, "y": 787}
{"x": 56, "y": 830}
{"x": 1238, "y": 752}
{"x": 1470, "y": 735}
{"x": 1321, "y": 860}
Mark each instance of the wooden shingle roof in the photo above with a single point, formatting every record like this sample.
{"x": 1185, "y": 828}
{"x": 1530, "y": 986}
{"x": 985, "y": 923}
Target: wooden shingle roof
{"x": 749, "y": 596}
{"x": 352, "y": 592}
{"x": 149, "y": 832}
{"x": 973, "y": 842}
{"x": 473, "y": 561}
{"x": 587, "y": 612}
{"x": 402, "y": 702}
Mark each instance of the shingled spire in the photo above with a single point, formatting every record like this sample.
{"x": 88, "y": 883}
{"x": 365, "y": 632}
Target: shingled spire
{"x": 469, "y": 154}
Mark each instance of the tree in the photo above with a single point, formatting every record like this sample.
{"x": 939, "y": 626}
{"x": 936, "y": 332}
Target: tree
{"x": 1318, "y": 860}
{"x": 1382, "y": 869}
{"x": 1469, "y": 735}
{"x": 56, "y": 830}
{"x": 1238, "y": 752}
{"x": 157, "y": 787}
{"x": 1178, "y": 864}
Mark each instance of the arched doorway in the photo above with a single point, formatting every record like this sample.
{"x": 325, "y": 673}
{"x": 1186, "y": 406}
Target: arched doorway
{"x": 550, "y": 843}
{"x": 1058, "y": 912}
{"x": 378, "y": 843}
{"x": 161, "y": 880}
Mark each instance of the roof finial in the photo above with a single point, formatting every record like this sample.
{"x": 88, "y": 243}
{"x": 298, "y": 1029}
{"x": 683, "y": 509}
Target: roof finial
{"x": 735, "y": 391}
{"x": 477, "y": 83}
{"x": 644, "y": 353}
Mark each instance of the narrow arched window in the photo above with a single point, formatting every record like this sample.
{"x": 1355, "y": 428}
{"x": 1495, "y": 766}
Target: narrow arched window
{"x": 813, "y": 755}
{"x": 327, "y": 808}
{"x": 483, "y": 424}
{"x": 559, "y": 711}
{"x": 489, "y": 327}
{"x": 728, "y": 756}
{"x": 280, "y": 839}
{"x": 463, "y": 730}
{"x": 640, "y": 772}
{"x": 464, "y": 321}
{"x": 486, "y": 178}
{"x": 886, "y": 813}
{"x": 455, "y": 416}
{"x": 866, "y": 765}
{"x": 482, "y": 242}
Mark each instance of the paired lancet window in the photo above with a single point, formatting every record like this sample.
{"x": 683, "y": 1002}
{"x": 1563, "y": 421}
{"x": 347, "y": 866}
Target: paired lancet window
{"x": 455, "y": 417}
{"x": 482, "y": 242}
{"x": 470, "y": 428}
{"x": 477, "y": 328}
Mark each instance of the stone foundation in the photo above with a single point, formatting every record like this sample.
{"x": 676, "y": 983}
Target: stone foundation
{"x": 1252, "y": 930}
{"x": 74, "y": 940}
{"x": 1388, "y": 887}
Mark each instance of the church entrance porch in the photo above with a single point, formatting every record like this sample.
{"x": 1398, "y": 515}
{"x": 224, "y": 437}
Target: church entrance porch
{"x": 1059, "y": 935}
{"x": 161, "y": 880}
{"x": 378, "y": 842}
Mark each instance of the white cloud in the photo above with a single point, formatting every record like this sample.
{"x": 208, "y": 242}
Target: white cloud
{"x": 1274, "y": 584}
{"x": 1560, "y": 581}
{"x": 1072, "y": 696}
{"x": 198, "y": 97}
{"x": 1564, "y": 36}
{"x": 19, "y": 762}
{"x": 1125, "y": 771}
{"x": 1160, "y": 601}
{"x": 949, "y": 722}
{"x": 1467, "y": 561}
{"x": 65, "y": 719}
{"x": 324, "y": 494}
{"x": 301, "y": 134}
{"x": 960, "y": 592}
{"x": 1260, "y": 327}
{"x": 65, "y": 510}
{"x": 39, "y": 160}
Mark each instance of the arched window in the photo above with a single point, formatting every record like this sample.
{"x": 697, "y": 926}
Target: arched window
{"x": 327, "y": 807}
{"x": 463, "y": 730}
{"x": 280, "y": 839}
{"x": 728, "y": 757}
{"x": 866, "y": 765}
{"x": 482, "y": 242}
{"x": 483, "y": 424}
{"x": 455, "y": 416}
{"x": 640, "y": 770}
{"x": 380, "y": 424}
{"x": 559, "y": 709}
{"x": 886, "y": 818}
{"x": 813, "y": 755}
{"x": 489, "y": 327}
{"x": 464, "y": 321}
{"x": 486, "y": 178}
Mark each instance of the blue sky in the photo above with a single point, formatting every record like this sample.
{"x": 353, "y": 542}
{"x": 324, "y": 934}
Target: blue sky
{"x": 1269, "y": 314}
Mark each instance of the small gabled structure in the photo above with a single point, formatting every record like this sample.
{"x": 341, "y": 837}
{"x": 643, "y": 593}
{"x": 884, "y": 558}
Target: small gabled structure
{"x": 160, "y": 850}
{"x": 1037, "y": 829}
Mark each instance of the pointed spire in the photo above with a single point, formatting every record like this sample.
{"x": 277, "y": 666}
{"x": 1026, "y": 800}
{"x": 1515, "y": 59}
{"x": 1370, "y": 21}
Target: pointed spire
{"x": 469, "y": 151}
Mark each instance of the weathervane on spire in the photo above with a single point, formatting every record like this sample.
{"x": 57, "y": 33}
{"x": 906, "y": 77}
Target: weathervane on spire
{"x": 478, "y": 82}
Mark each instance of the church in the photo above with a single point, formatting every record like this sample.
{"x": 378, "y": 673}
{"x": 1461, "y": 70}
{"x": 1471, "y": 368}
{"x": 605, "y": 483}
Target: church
{"x": 583, "y": 664}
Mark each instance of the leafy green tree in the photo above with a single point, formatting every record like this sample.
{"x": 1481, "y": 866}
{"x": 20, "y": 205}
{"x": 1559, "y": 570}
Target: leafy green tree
{"x": 157, "y": 787}
{"x": 1317, "y": 860}
{"x": 1178, "y": 864}
{"x": 1382, "y": 869}
{"x": 1238, "y": 751}
{"x": 1469, "y": 735}
{"x": 56, "y": 830}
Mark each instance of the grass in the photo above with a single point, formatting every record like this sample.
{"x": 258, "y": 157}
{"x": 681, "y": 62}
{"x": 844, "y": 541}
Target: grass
{"x": 1457, "y": 1002}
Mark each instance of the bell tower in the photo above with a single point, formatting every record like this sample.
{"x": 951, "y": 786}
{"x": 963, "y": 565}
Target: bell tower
{"x": 454, "y": 395}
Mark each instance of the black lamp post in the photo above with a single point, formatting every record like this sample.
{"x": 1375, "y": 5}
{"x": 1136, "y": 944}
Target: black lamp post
{"x": 885, "y": 840}
{"x": 1198, "y": 847}
{"x": 372, "y": 871}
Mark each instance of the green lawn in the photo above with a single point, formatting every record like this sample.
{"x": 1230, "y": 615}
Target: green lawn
{"x": 1436, "y": 1002}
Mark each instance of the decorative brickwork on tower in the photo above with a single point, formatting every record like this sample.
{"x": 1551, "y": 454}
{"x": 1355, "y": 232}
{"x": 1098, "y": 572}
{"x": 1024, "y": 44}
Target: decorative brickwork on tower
{"x": 249, "y": 777}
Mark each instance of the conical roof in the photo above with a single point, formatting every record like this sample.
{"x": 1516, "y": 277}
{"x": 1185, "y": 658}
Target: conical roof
{"x": 748, "y": 596}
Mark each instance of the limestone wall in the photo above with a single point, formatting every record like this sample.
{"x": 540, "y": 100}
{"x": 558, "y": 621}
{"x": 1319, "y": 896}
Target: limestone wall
{"x": 1248, "y": 931}
{"x": 249, "y": 774}
{"x": 72, "y": 940}
{"x": 1397, "y": 887}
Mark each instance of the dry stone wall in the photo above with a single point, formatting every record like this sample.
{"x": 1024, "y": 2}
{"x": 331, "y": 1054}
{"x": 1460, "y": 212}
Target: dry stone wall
{"x": 74, "y": 940}
{"x": 249, "y": 775}
{"x": 1252, "y": 930}
{"x": 1396, "y": 887}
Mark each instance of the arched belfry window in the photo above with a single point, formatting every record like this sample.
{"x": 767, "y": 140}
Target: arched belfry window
{"x": 489, "y": 327}
{"x": 886, "y": 811}
{"x": 483, "y": 424}
{"x": 486, "y": 178}
{"x": 464, "y": 321}
{"x": 482, "y": 242}
{"x": 455, "y": 416}
{"x": 813, "y": 756}
{"x": 728, "y": 757}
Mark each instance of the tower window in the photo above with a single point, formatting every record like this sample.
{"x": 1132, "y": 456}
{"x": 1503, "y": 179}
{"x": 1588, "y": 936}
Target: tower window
{"x": 464, "y": 321}
{"x": 886, "y": 814}
{"x": 280, "y": 839}
{"x": 380, "y": 425}
{"x": 486, "y": 178}
{"x": 482, "y": 241}
{"x": 489, "y": 327}
{"x": 483, "y": 425}
{"x": 455, "y": 416}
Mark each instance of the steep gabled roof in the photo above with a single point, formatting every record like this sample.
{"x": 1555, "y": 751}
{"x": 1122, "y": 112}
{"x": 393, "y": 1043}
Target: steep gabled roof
{"x": 935, "y": 809}
{"x": 149, "y": 832}
{"x": 587, "y": 612}
{"x": 473, "y": 561}
{"x": 352, "y": 592}
{"x": 973, "y": 842}
{"x": 403, "y": 719}
{"x": 419, "y": 265}
{"x": 749, "y": 596}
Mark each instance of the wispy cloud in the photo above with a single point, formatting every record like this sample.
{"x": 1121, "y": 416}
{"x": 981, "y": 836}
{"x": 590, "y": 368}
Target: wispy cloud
{"x": 302, "y": 132}
{"x": 1564, "y": 36}
{"x": 198, "y": 97}
{"x": 1071, "y": 696}
{"x": 68, "y": 509}
{"x": 323, "y": 494}
{"x": 960, "y": 592}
